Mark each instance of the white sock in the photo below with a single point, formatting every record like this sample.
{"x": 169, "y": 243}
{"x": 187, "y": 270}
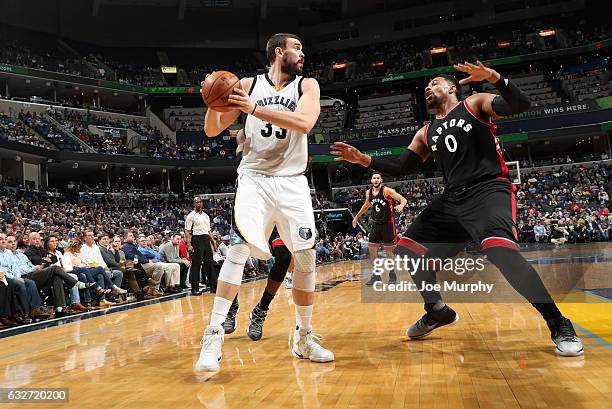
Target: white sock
{"x": 303, "y": 316}
{"x": 220, "y": 309}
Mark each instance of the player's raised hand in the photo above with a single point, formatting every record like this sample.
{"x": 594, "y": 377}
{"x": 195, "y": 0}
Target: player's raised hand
{"x": 239, "y": 99}
{"x": 346, "y": 152}
{"x": 476, "y": 73}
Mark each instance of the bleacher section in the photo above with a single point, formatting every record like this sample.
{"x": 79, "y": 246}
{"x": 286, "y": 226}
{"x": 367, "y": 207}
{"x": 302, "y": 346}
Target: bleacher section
{"x": 330, "y": 120}
{"x": 12, "y": 129}
{"x": 190, "y": 119}
{"x": 384, "y": 111}
{"x": 586, "y": 85}
{"x": 41, "y": 124}
{"x": 539, "y": 90}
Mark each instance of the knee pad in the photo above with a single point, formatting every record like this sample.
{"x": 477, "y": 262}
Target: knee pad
{"x": 282, "y": 259}
{"x": 238, "y": 253}
{"x": 304, "y": 264}
{"x": 231, "y": 271}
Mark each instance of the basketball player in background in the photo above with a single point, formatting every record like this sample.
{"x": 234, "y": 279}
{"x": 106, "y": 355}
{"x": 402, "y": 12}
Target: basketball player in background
{"x": 281, "y": 107}
{"x": 478, "y": 203}
{"x": 382, "y": 234}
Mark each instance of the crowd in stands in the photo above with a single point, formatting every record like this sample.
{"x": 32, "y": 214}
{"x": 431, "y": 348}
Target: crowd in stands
{"x": 44, "y": 127}
{"x": 375, "y": 60}
{"x": 75, "y": 241}
{"x": 36, "y": 51}
{"x": 12, "y": 129}
{"x": 38, "y": 130}
{"x": 77, "y": 123}
{"x": 575, "y": 198}
{"x": 337, "y": 247}
{"x": 398, "y": 56}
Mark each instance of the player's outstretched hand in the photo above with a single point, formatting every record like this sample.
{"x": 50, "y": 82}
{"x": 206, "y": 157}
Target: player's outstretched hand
{"x": 239, "y": 99}
{"x": 476, "y": 73}
{"x": 346, "y": 152}
{"x": 354, "y": 222}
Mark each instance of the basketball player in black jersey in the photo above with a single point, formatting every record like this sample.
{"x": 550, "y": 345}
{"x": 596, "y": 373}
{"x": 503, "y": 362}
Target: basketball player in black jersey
{"x": 382, "y": 234}
{"x": 478, "y": 203}
{"x": 282, "y": 263}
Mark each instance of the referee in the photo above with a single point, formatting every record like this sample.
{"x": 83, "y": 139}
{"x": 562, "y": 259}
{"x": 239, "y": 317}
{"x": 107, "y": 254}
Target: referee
{"x": 199, "y": 241}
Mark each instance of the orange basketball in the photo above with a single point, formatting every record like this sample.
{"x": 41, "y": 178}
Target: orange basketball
{"x": 216, "y": 89}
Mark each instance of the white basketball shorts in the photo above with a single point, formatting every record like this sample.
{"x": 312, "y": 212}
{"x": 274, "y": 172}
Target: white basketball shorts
{"x": 262, "y": 202}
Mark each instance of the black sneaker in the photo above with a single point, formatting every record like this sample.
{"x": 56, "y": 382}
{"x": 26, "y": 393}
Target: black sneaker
{"x": 392, "y": 277}
{"x": 564, "y": 336}
{"x": 432, "y": 320}
{"x": 375, "y": 278}
{"x": 230, "y": 324}
{"x": 257, "y": 317}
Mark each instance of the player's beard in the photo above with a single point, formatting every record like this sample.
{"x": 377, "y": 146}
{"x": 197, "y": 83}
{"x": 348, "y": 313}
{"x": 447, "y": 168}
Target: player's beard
{"x": 434, "y": 102}
{"x": 291, "y": 68}
{"x": 376, "y": 184}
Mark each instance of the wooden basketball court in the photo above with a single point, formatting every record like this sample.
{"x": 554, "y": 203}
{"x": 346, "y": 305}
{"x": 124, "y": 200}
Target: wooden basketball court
{"x": 497, "y": 356}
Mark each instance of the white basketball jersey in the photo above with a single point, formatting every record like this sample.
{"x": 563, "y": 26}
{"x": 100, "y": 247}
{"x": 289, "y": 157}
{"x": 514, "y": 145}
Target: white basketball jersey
{"x": 267, "y": 148}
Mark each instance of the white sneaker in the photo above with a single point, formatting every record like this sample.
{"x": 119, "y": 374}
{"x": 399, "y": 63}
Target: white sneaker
{"x": 210, "y": 355}
{"x": 305, "y": 346}
{"x": 288, "y": 282}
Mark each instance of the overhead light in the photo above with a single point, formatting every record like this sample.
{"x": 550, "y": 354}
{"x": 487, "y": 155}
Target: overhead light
{"x": 503, "y": 44}
{"x": 547, "y": 33}
{"x": 438, "y": 50}
{"x": 339, "y": 65}
{"x": 378, "y": 64}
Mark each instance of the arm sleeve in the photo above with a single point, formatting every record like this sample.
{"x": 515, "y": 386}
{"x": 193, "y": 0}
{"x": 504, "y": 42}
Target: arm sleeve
{"x": 407, "y": 163}
{"x": 189, "y": 222}
{"x": 510, "y": 100}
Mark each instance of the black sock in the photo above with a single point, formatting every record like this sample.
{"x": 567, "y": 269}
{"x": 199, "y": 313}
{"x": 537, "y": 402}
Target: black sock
{"x": 266, "y": 299}
{"x": 523, "y": 277}
{"x": 235, "y": 302}
{"x": 548, "y": 311}
{"x": 391, "y": 273}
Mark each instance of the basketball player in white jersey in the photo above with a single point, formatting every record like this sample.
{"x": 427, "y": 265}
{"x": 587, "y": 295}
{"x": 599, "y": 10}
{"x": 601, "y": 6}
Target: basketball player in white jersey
{"x": 281, "y": 107}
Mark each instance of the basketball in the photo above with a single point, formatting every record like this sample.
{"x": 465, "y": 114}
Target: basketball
{"x": 216, "y": 89}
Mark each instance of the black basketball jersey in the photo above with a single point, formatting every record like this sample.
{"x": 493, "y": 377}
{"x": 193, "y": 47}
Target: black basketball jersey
{"x": 465, "y": 147}
{"x": 381, "y": 206}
